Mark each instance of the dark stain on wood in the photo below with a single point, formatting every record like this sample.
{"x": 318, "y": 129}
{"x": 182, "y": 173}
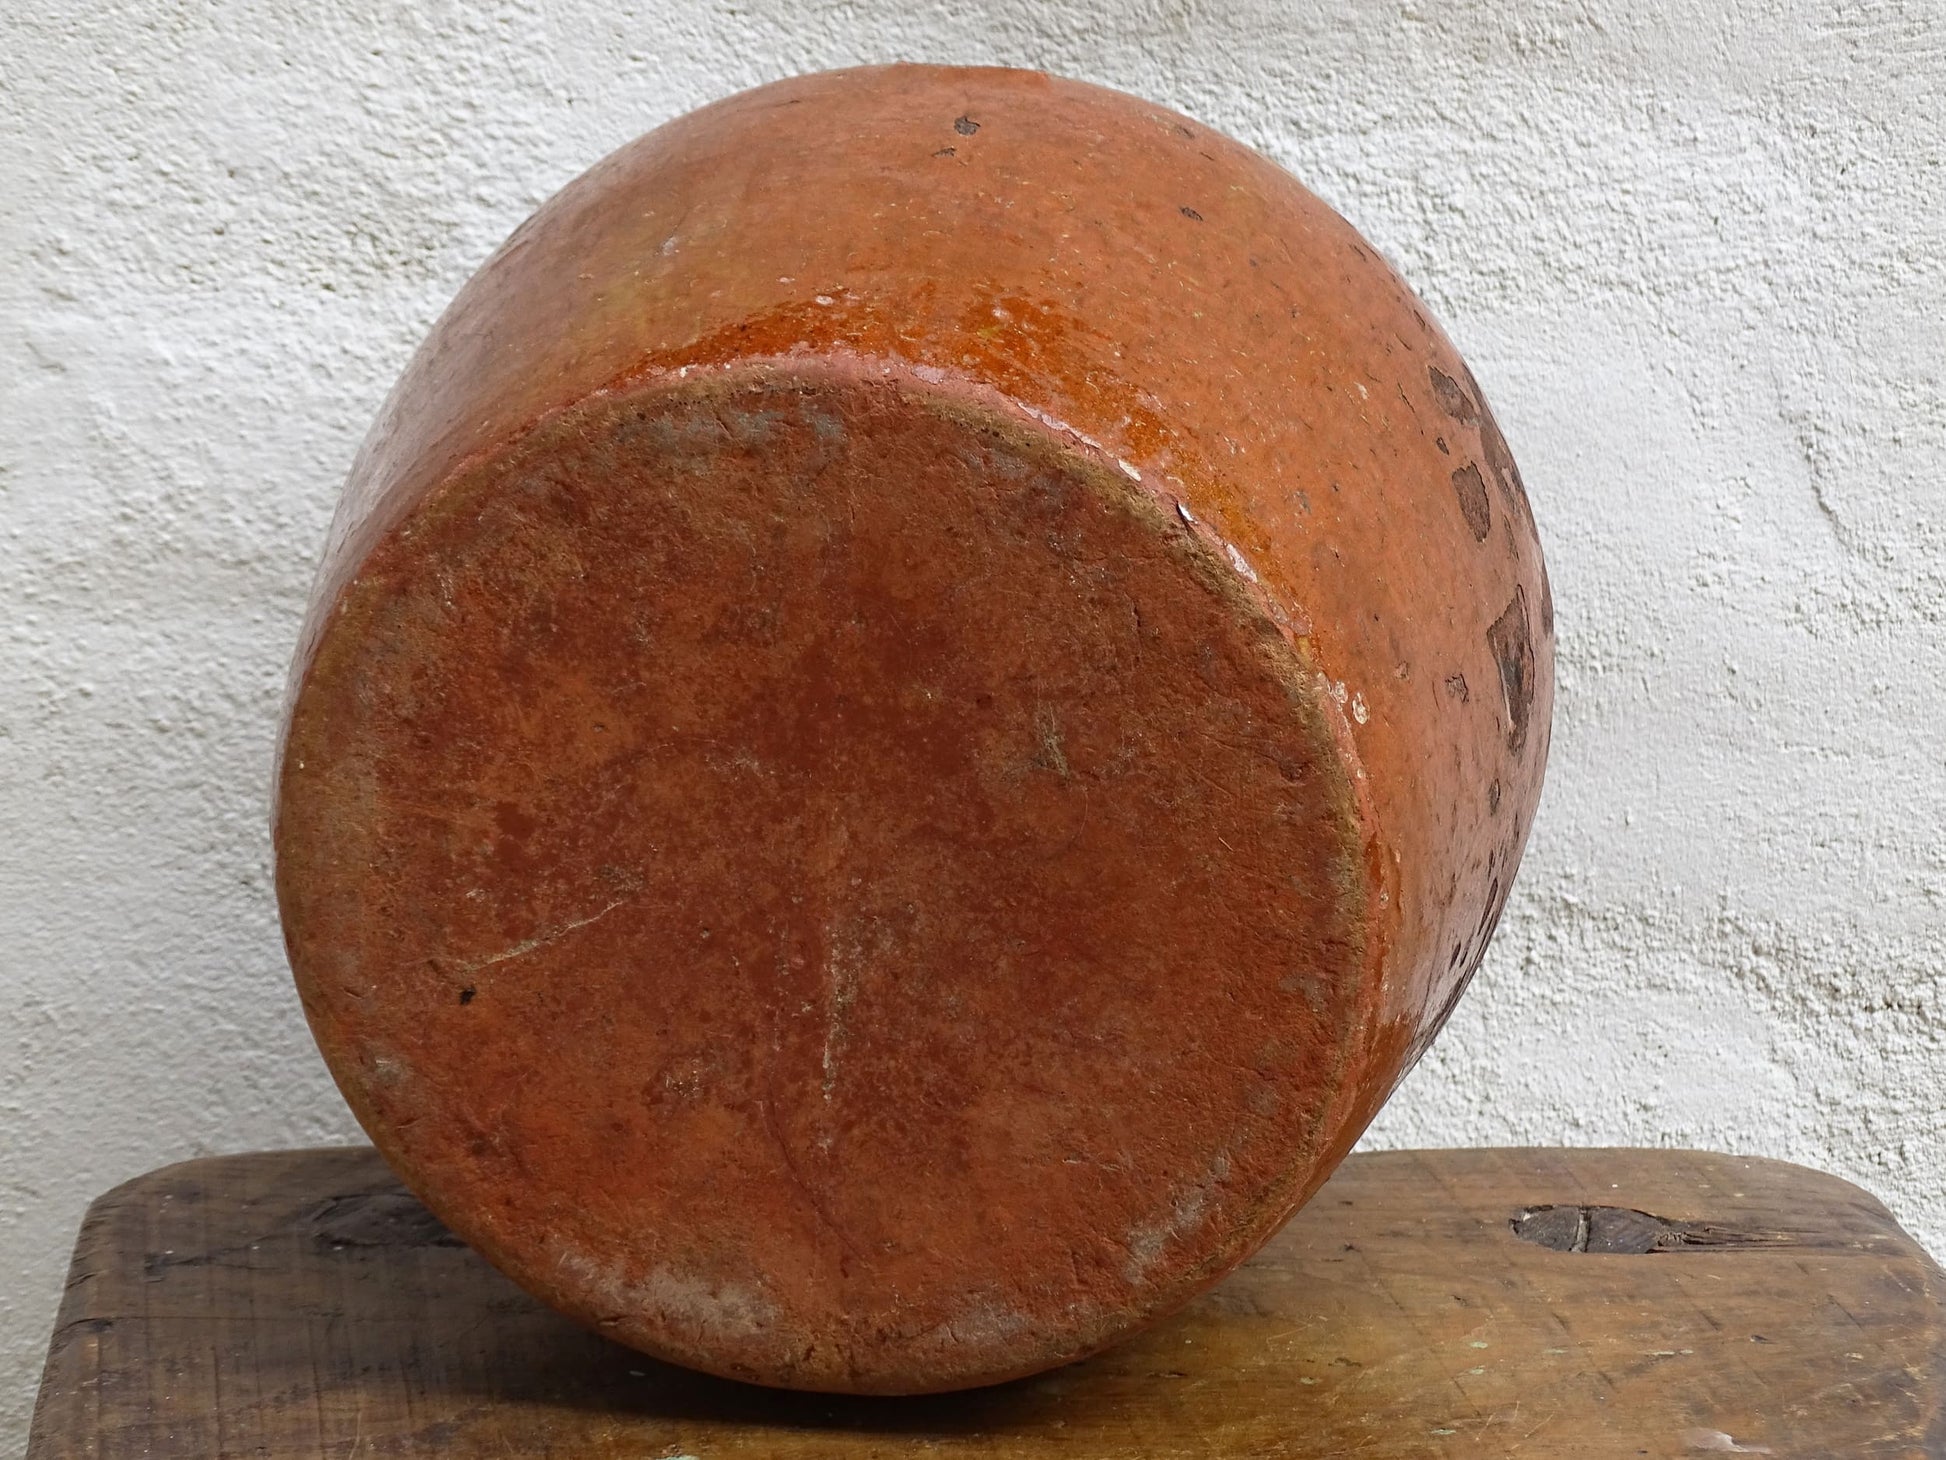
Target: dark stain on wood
{"x": 1625, "y": 1231}
{"x": 388, "y": 1219}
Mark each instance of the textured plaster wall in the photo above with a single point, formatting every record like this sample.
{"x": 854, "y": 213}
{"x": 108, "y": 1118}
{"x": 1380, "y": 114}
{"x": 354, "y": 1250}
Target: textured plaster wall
{"x": 1696, "y": 253}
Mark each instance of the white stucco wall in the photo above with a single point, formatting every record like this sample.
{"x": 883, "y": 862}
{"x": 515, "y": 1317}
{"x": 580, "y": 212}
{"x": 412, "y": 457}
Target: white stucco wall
{"x": 1695, "y": 252}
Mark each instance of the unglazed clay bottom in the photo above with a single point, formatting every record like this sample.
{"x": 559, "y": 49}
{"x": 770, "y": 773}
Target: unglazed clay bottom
{"x": 928, "y": 689}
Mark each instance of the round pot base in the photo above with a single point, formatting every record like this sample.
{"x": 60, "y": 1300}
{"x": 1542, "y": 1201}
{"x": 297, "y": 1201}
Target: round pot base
{"x": 828, "y": 877}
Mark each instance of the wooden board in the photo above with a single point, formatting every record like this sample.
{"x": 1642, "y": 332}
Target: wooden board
{"x": 299, "y": 1304}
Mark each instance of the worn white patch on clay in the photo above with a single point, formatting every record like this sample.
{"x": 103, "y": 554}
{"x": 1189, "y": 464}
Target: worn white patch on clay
{"x": 543, "y": 938}
{"x": 842, "y": 967}
{"x": 705, "y": 1313}
{"x": 1716, "y": 1441}
{"x": 985, "y": 1320}
{"x": 1185, "y": 1214}
{"x": 1057, "y": 424}
{"x": 1239, "y": 562}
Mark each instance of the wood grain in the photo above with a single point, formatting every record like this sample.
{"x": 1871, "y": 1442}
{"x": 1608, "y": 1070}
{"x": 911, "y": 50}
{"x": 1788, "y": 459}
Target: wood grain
{"x": 300, "y": 1304}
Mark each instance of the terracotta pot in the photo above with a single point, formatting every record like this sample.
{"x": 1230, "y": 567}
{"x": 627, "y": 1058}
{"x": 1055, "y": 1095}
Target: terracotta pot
{"x": 923, "y": 696}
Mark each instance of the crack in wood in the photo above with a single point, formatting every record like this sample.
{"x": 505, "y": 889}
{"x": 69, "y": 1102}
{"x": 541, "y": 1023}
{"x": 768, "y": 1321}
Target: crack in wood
{"x": 1625, "y": 1231}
